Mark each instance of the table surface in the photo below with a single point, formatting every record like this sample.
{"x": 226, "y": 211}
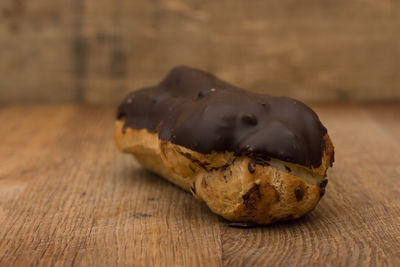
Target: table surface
{"x": 69, "y": 197}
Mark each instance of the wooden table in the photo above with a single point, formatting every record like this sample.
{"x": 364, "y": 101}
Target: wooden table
{"x": 69, "y": 197}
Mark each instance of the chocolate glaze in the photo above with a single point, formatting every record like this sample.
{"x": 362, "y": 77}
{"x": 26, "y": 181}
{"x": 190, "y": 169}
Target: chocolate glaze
{"x": 196, "y": 110}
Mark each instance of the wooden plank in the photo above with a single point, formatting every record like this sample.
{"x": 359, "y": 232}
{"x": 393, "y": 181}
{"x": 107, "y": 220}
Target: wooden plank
{"x": 97, "y": 51}
{"x": 36, "y": 51}
{"x": 313, "y": 50}
{"x": 388, "y": 116}
{"x": 68, "y": 197}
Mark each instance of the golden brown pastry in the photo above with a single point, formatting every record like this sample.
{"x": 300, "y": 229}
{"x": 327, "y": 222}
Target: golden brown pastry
{"x": 249, "y": 157}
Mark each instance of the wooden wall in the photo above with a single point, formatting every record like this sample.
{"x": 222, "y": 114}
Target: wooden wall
{"x": 97, "y": 50}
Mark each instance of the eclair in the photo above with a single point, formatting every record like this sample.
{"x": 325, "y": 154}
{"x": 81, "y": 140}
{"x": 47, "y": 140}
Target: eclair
{"x": 250, "y": 157}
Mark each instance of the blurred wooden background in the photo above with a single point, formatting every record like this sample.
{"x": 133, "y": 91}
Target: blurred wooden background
{"x": 97, "y": 50}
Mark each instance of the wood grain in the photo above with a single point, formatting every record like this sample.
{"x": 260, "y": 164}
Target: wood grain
{"x": 97, "y": 50}
{"x": 37, "y": 48}
{"x": 68, "y": 197}
{"x": 312, "y": 50}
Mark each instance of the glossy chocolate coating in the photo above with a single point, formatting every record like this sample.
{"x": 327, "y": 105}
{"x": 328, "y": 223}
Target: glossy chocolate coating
{"x": 196, "y": 110}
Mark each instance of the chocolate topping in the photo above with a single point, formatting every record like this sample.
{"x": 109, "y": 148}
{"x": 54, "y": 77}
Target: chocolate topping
{"x": 196, "y": 110}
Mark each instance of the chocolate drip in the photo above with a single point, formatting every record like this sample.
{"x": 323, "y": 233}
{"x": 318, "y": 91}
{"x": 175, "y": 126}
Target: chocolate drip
{"x": 196, "y": 110}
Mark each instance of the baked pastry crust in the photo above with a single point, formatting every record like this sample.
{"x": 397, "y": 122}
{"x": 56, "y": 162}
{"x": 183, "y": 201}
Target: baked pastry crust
{"x": 238, "y": 188}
